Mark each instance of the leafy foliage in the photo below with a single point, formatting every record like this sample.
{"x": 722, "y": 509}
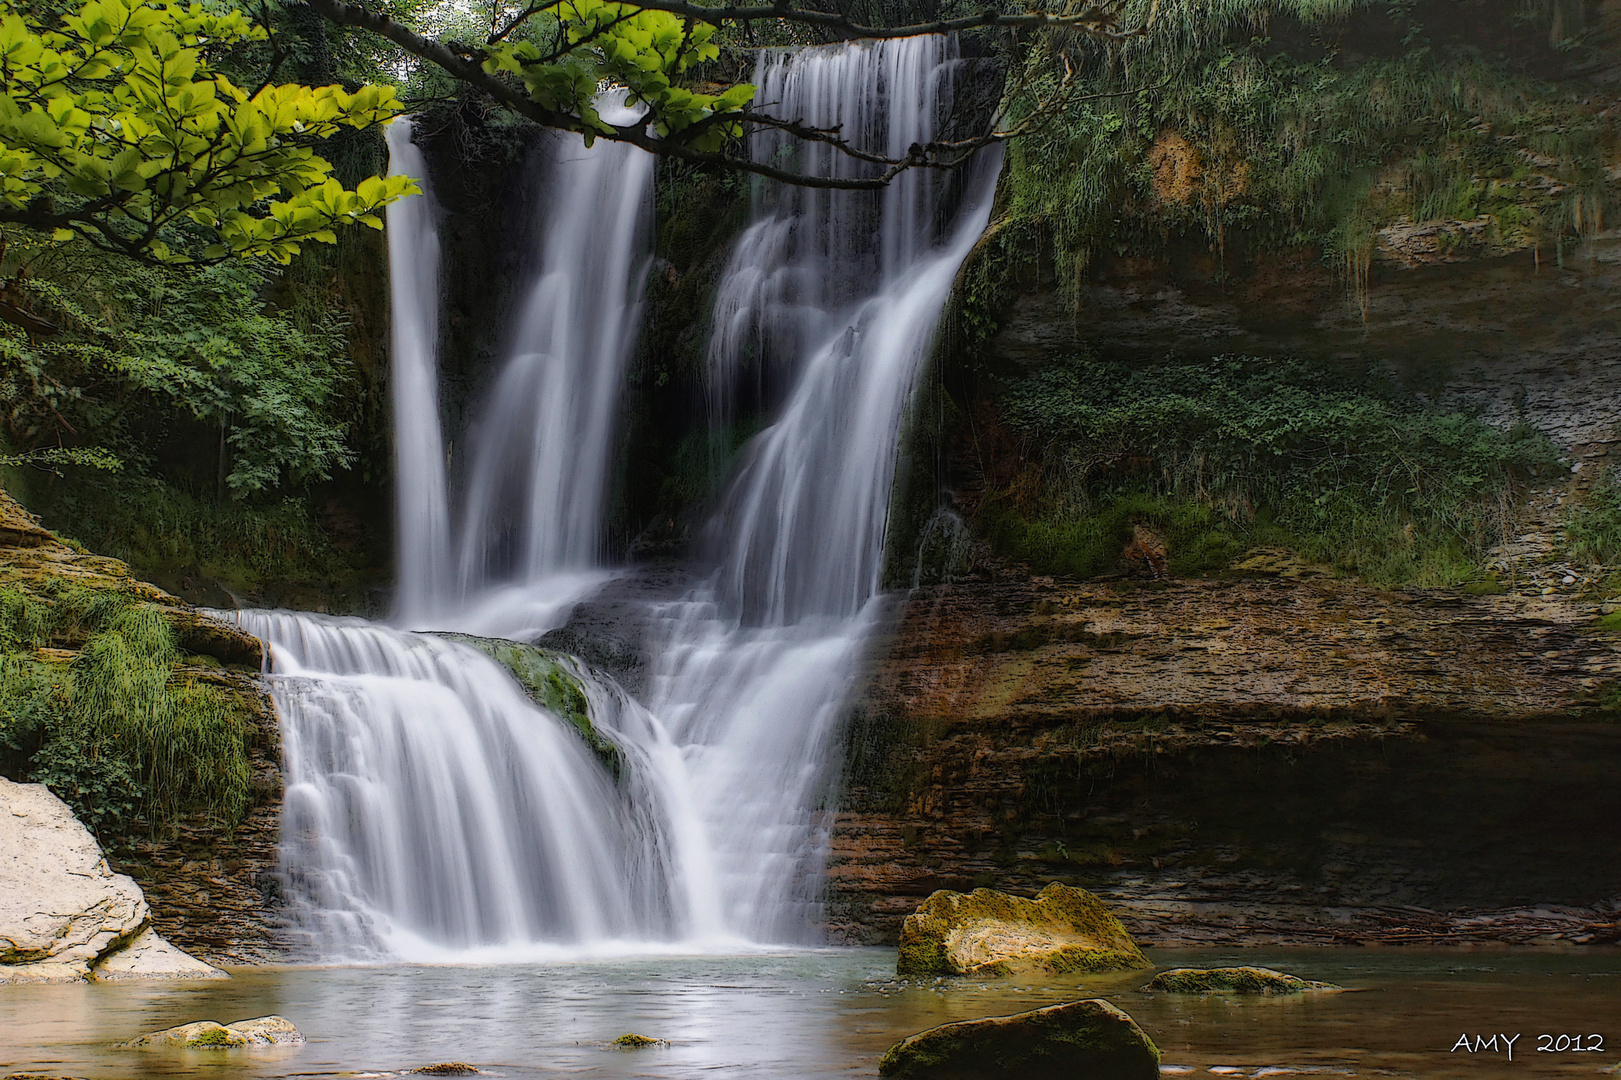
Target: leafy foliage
{"x": 122, "y": 733}
{"x": 140, "y": 343}
{"x": 117, "y": 126}
{"x": 1237, "y": 451}
{"x": 1223, "y": 120}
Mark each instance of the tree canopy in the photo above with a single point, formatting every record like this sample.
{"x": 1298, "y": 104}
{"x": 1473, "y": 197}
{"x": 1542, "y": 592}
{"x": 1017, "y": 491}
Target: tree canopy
{"x": 117, "y": 125}
{"x": 121, "y": 125}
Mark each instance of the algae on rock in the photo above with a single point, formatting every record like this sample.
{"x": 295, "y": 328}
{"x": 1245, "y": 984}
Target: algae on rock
{"x": 1232, "y": 980}
{"x": 552, "y": 682}
{"x": 987, "y": 933}
{"x": 1090, "y": 1039}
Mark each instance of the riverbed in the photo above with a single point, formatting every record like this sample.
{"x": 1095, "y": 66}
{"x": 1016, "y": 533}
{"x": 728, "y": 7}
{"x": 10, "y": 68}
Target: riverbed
{"x": 831, "y": 1013}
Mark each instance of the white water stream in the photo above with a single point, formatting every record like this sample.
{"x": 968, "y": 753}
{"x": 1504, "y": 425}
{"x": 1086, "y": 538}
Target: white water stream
{"x": 432, "y": 810}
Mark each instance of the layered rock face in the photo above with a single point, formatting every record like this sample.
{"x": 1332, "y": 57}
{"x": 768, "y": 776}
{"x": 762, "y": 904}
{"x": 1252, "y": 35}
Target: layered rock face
{"x": 64, "y": 915}
{"x": 1249, "y": 761}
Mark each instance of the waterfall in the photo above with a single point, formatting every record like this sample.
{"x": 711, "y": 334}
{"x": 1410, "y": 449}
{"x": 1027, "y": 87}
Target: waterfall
{"x": 542, "y": 443}
{"x": 841, "y": 292}
{"x": 432, "y": 809}
{"x": 422, "y": 525}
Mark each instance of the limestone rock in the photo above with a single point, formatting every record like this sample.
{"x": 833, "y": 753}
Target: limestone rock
{"x": 268, "y": 1031}
{"x": 1232, "y": 980}
{"x": 1090, "y": 1039}
{"x": 990, "y": 933}
{"x": 203, "y": 1034}
{"x": 64, "y": 915}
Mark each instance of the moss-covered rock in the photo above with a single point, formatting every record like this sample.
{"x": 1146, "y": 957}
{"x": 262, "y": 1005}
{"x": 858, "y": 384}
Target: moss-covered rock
{"x": 206, "y": 1034}
{"x": 1090, "y": 1039}
{"x": 550, "y": 680}
{"x": 985, "y": 932}
{"x": 1232, "y": 980}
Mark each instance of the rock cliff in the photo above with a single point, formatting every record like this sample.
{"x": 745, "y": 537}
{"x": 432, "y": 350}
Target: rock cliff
{"x": 1241, "y": 761}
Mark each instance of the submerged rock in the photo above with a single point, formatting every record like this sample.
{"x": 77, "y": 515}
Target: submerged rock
{"x": 984, "y": 932}
{"x": 64, "y": 915}
{"x": 1080, "y": 1039}
{"x": 1232, "y": 980}
{"x": 447, "y": 1068}
{"x": 206, "y": 1034}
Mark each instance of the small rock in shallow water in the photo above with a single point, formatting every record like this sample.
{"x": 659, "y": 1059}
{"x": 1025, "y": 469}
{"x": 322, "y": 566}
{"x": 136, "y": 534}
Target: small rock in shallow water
{"x": 206, "y": 1034}
{"x": 1234, "y": 980}
{"x": 987, "y": 933}
{"x": 1090, "y": 1039}
{"x": 203, "y": 1034}
{"x": 447, "y": 1068}
{"x": 267, "y": 1031}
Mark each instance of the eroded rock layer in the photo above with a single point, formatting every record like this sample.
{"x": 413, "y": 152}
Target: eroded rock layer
{"x": 1241, "y": 761}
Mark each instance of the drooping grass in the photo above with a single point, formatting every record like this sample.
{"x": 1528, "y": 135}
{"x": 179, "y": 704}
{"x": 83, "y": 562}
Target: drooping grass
{"x": 1593, "y": 529}
{"x": 121, "y": 733}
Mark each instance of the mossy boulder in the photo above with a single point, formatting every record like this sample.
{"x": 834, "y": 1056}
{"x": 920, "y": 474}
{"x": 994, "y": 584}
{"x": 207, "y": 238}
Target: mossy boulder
{"x": 206, "y": 1034}
{"x": 985, "y": 932}
{"x": 1232, "y": 980}
{"x": 1080, "y": 1039}
{"x": 550, "y": 681}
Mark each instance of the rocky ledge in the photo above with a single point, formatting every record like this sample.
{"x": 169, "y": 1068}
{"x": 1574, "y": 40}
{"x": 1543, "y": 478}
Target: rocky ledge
{"x": 1424, "y": 766}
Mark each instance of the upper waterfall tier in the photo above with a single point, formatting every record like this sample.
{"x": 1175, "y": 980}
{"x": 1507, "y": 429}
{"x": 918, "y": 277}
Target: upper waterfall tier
{"x": 422, "y": 526}
{"x": 541, "y": 445}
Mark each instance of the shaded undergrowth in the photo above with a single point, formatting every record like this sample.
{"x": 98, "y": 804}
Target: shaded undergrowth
{"x": 1224, "y": 455}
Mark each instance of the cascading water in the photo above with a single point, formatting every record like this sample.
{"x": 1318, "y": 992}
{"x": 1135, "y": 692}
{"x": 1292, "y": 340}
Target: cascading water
{"x": 422, "y": 525}
{"x": 542, "y": 448}
{"x": 756, "y": 668}
{"x": 431, "y": 808}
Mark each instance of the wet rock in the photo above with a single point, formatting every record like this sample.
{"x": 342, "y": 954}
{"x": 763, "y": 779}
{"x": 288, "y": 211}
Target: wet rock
{"x": 268, "y": 1031}
{"x": 987, "y": 933}
{"x": 447, "y": 1068}
{"x": 206, "y": 1034}
{"x": 64, "y": 915}
{"x": 202, "y": 1035}
{"x": 1090, "y": 1039}
{"x": 1232, "y": 980}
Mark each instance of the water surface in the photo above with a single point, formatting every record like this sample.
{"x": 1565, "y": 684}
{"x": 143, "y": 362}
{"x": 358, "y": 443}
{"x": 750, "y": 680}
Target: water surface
{"x": 824, "y": 1013}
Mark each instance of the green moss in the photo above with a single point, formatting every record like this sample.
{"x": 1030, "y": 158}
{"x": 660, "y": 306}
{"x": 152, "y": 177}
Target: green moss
{"x": 550, "y": 681}
{"x": 1593, "y": 528}
{"x": 1256, "y": 120}
{"x": 631, "y": 1041}
{"x": 1612, "y": 621}
{"x": 1070, "y": 928}
{"x": 213, "y": 1037}
{"x": 1235, "y": 980}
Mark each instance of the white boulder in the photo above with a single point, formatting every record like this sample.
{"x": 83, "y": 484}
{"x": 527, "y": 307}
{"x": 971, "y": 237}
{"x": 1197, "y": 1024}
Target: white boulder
{"x": 64, "y": 915}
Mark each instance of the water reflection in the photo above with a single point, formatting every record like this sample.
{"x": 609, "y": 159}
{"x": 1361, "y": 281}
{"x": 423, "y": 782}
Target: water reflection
{"x": 828, "y": 1013}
